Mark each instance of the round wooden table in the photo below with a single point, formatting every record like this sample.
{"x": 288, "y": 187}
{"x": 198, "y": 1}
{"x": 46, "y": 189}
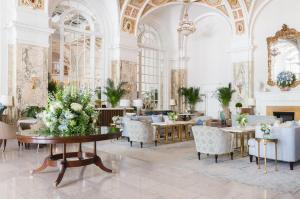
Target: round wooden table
{"x": 84, "y": 159}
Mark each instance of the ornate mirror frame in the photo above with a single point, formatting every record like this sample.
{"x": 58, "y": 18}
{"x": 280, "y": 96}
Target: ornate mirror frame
{"x": 284, "y": 33}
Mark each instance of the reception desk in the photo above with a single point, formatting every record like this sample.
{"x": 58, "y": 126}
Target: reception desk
{"x": 106, "y": 114}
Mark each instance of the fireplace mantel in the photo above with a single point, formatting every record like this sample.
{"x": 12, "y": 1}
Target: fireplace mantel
{"x": 279, "y": 98}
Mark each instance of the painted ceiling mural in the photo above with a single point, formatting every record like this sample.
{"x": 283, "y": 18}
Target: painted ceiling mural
{"x": 236, "y": 10}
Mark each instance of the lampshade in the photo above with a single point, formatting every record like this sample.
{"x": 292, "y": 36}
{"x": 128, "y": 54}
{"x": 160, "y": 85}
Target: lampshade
{"x": 6, "y": 100}
{"x": 251, "y": 102}
{"x": 138, "y": 103}
{"x": 172, "y": 102}
{"x": 125, "y": 103}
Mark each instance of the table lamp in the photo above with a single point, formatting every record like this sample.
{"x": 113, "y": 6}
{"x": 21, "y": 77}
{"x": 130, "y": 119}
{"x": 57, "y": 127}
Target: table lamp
{"x": 124, "y": 103}
{"x": 173, "y": 103}
{"x": 138, "y": 103}
{"x": 252, "y": 104}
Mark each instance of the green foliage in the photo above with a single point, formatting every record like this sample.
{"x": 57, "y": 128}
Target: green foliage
{"x": 32, "y": 111}
{"x": 242, "y": 120}
{"x": 224, "y": 95}
{"x": 172, "y": 116}
{"x": 52, "y": 85}
{"x": 191, "y": 95}
{"x": 114, "y": 93}
{"x": 239, "y": 105}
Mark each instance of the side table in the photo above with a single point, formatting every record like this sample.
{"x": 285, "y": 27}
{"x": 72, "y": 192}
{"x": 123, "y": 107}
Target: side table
{"x": 266, "y": 141}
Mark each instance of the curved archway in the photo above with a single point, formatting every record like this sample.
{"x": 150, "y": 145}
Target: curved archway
{"x": 79, "y": 46}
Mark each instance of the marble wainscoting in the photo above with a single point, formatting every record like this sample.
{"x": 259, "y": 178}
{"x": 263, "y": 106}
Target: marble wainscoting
{"x": 178, "y": 80}
{"x": 126, "y": 71}
{"x": 32, "y": 65}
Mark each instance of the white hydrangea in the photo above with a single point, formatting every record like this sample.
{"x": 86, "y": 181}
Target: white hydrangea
{"x": 76, "y": 107}
{"x": 55, "y": 105}
{"x": 69, "y": 115}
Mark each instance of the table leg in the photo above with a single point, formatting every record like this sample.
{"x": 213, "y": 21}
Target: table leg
{"x": 4, "y": 145}
{"x": 276, "y": 169}
{"x": 236, "y": 140}
{"x": 166, "y": 134}
{"x": 1, "y": 141}
{"x": 242, "y": 144}
{"x": 173, "y": 133}
{"x": 188, "y": 131}
{"x": 180, "y": 133}
{"x": 265, "y": 154}
{"x": 98, "y": 161}
{"x": 61, "y": 174}
{"x": 157, "y": 133}
{"x": 185, "y": 132}
{"x": 258, "y": 154}
{"x": 80, "y": 152}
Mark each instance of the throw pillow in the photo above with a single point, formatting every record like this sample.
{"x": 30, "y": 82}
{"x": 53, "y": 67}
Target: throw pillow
{"x": 156, "y": 118}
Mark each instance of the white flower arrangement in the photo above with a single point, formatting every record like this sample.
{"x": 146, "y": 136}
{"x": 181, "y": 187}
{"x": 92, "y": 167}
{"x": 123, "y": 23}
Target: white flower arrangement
{"x": 69, "y": 112}
{"x": 286, "y": 79}
{"x": 266, "y": 129}
{"x": 76, "y": 107}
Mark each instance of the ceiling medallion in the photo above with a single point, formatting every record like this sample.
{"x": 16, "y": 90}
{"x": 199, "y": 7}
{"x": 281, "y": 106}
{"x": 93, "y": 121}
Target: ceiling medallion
{"x": 186, "y": 27}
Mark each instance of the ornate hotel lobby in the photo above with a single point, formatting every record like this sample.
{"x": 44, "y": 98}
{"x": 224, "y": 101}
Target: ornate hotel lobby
{"x": 149, "y": 99}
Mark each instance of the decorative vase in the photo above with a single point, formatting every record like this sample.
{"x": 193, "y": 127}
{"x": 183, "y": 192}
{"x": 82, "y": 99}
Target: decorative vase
{"x": 226, "y": 112}
{"x": 285, "y": 88}
{"x": 266, "y": 135}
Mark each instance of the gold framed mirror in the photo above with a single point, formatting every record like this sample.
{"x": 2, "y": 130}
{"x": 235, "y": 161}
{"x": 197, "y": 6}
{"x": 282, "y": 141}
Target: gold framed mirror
{"x": 284, "y": 54}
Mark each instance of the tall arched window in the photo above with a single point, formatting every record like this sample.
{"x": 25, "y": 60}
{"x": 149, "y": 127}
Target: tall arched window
{"x": 75, "y": 47}
{"x": 149, "y": 75}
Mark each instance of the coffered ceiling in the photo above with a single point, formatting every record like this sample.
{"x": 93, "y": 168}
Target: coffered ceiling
{"x": 235, "y": 10}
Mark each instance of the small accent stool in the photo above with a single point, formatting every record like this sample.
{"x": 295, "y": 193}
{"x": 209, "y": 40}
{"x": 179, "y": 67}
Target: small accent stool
{"x": 266, "y": 141}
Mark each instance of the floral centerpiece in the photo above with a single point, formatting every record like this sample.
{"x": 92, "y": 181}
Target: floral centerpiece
{"x": 266, "y": 129}
{"x": 173, "y": 116}
{"x": 242, "y": 120}
{"x": 285, "y": 80}
{"x": 69, "y": 112}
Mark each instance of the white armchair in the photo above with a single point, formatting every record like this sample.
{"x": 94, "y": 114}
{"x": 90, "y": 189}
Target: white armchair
{"x": 139, "y": 131}
{"x": 288, "y": 145}
{"x": 211, "y": 140}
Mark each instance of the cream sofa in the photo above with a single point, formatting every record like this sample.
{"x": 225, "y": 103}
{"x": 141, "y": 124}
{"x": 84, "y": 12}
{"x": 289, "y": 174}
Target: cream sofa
{"x": 254, "y": 120}
{"x": 211, "y": 140}
{"x": 288, "y": 144}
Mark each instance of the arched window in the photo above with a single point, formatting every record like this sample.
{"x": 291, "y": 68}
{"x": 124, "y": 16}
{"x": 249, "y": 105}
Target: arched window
{"x": 75, "y": 47}
{"x": 149, "y": 75}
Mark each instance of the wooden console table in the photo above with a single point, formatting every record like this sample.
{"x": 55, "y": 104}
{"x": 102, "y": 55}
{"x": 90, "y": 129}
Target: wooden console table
{"x": 106, "y": 114}
{"x": 84, "y": 159}
{"x": 180, "y": 125}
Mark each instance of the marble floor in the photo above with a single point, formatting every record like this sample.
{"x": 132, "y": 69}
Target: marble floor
{"x": 165, "y": 172}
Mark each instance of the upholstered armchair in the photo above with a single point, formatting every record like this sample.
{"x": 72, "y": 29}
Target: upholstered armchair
{"x": 139, "y": 131}
{"x": 2, "y": 109}
{"x": 7, "y": 132}
{"x": 212, "y": 140}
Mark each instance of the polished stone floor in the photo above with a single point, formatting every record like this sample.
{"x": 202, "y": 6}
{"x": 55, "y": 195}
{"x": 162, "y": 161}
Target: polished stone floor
{"x": 163, "y": 172}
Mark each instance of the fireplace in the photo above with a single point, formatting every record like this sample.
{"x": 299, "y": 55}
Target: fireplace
{"x": 285, "y": 116}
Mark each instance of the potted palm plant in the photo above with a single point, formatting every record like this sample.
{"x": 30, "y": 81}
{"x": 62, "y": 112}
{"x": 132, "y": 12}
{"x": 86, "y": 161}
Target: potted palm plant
{"x": 114, "y": 93}
{"x": 224, "y": 95}
{"x": 191, "y": 96}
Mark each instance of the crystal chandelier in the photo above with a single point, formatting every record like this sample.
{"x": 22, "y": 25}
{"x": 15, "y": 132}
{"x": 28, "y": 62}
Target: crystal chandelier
{"x": 186, "y": 27}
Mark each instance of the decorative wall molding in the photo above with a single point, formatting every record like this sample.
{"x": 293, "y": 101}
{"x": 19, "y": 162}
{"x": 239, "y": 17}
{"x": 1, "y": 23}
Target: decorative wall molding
{"x": 23, "y": 33}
